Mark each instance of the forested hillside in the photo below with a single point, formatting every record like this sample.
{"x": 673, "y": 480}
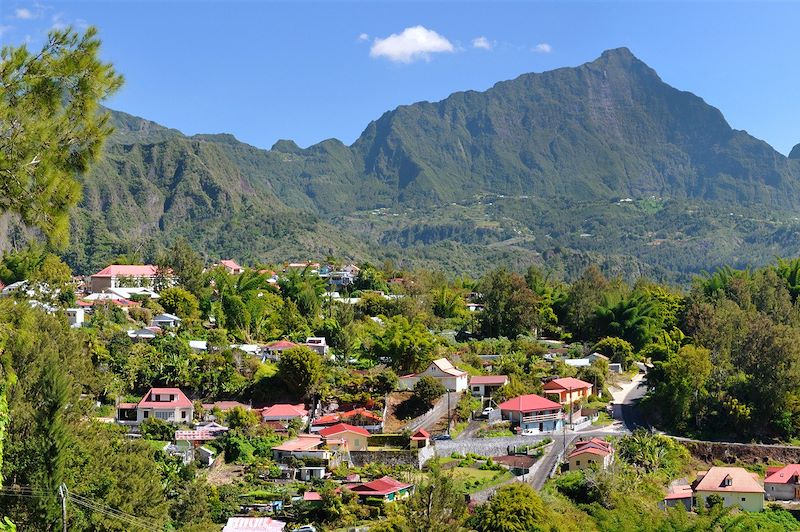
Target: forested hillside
{"x": 599, "y": 163}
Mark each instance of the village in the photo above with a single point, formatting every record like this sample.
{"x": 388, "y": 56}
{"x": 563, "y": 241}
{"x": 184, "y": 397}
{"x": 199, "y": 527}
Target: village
{"x": 376, "y": 446}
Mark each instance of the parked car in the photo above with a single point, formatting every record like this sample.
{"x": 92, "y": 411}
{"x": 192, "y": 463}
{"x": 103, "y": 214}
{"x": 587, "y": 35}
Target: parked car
{"x": 442, "y": 437}
{"x": 488, "y": 410}
{"x": 305, "y": 528}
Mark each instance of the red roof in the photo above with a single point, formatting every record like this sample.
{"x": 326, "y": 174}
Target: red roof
{"x": 421, "y": 434}
{"x": 381, "y": 486}
{"x": 281, "y": 344}
{"x": 566, "y": 384}
{"x": 195, "y": 435}
{"x": 312, "y": 496}
{"x": 180, "y": 400}
{"x": 590, "y": 450}
{"x": 492, "y": 380}
{"x": 680, "y": 492}
{"x": 529, "y": 403}
{"x": 343, "y": 427}
{"x": 284, "y": 411}
{"x": 783, "y": 475}
{"x": 336, "y": 417}
{"x": 127, "y": 270}
{"x": 230, "y": 264}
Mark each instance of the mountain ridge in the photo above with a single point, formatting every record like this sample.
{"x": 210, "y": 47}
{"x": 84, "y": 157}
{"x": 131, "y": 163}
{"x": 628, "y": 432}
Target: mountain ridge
{"x": 605, "y": 130}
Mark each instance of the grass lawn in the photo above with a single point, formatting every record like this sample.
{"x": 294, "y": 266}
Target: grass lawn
{"x": 458, "y": 428}
{"x": 266, "y": 370}
{"x": 603, "y": 420}
{"x": 156, "y": 444}
{"x": 471, "y": 479}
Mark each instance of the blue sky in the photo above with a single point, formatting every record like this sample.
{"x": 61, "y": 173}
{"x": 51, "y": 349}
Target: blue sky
{"x": 310, "y": 71}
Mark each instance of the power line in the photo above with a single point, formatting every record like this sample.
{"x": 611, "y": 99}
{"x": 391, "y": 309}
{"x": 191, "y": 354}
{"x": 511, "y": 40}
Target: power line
{"x": 111, "y": 512}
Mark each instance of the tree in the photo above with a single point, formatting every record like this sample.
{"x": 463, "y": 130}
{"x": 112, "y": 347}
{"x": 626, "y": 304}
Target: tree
{"x": 427, "y": 390}
{"x": 583, "y": 297}
{"x": 683, "y": 387}
{"x": 510, "y": 307}
{"x": 242, "y": 419}
{"x": 370, "y": 278}
{"x": 180, "y": 302}
{"x": 305, "y": 289}
{"x": 153, "y": 428}
{"x": 436, "y": 506}
{"x": 186, "y": 266}
{"x": 407, "y": 346}
{"x": 513, "y": 508}
{"x": 49, "y": 105}
{"x": 633, "y": 319}
{"x": 616, "y": 349}
{"x": 301, "y": 369}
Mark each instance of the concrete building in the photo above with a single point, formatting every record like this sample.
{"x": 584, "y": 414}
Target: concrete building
{"x": 736, "y": 486}
{"x": 783, "y": 483}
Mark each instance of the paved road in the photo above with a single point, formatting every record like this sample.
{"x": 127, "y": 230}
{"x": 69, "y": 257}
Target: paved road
{"x": 626, "y": 399}
{"x": 428, "y": 420}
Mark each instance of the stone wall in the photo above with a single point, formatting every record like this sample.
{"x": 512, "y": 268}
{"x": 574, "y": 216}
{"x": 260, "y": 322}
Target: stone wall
{"x": 487, "y": 446}
{"x": 749, "y": 453}
{"x": 391, "y": 458}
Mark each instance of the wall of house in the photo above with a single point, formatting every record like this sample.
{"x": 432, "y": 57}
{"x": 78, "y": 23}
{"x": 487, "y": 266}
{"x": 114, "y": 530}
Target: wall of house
{"x": 750, "y": 502}
{"x": 780, "y": 492}
{"x": 583, "y": 461}
{"x": 98, "y": 284}
{"x": 179, "y": 415}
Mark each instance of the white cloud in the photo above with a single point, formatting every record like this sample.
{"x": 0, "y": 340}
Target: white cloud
{"x": 411, "y": 45}
{"x": 5, "y": 29}
{"x": 543, "y": 48}
{"x": 24, "y": 14}
{"x": 363, "y": 37}
{"x": 58, "y": 23}
{"x": 482, "y": 43}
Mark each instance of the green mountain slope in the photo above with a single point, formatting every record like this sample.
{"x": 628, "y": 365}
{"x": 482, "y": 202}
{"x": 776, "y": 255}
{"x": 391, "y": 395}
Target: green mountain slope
{"x": 529, "y": 170}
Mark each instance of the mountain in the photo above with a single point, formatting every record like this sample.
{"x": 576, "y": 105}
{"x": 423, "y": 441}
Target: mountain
{"x": 529, "y": 170}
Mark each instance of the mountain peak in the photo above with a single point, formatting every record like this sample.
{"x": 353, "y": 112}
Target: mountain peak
{"x": 795, "y": 153}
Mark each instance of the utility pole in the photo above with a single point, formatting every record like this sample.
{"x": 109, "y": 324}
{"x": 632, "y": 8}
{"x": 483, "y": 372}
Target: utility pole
{"x": 62, "y": 492}
{"x": 448, "y": 412}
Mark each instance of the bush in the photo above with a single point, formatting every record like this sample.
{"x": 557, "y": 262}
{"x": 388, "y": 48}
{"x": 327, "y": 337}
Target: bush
{"x": 427, "y": 390}
{"x": 157, "y": 429}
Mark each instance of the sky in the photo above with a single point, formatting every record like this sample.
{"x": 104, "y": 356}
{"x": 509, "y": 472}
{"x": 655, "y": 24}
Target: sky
{"x": 265, "y": 71}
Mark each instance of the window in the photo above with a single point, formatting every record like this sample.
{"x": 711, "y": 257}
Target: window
{"x": 577, "y": 462}
{"x": 165, "y": 415}
{"x": 146, "y": 414}
{"x": 742, "y": 499}
{"x": 183, "y": 414}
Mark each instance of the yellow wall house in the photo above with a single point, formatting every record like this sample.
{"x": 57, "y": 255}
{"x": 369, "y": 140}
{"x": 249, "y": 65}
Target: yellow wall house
{"x": 356, "y": 437}
{"x": 586, "y": 453}
{"x": 735, "y": 485}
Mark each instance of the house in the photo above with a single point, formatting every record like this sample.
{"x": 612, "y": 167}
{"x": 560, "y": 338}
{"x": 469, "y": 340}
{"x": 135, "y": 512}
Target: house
{"x": 597, "y": 356}
{"x": 356, "y": 437}
{"x": 168, "y": 404}
{"x": 318, "y": 344}
{"x": 442, "y": 370}
{"x": 735, "y": 485}
{"x": 123, "y": 275}
{"x": 420, "y": 439}
{"x": 206, "y": 456}
{"x": 359, "y": 417}
{"x": 567, "y": 389}
{"x": 142, "y": 334}
{"x": 316, "y": 452}
{"x": 131, "y": 292}
{"x": 532, "y": 414}
{"x": 198, "y": 346}
{"x": 385, "y": 488}
{"x": 274, "y": 349}
{"x": 783, "y": 483}
{"x": 677, "y": 495}
{"x": 285, "y": 413}
{"x": 76, "y": 317}
{"x": 165, "y": 321}
{"x": 591, "y": 453}
{"x": 231, "y": 266}
{"x": 486, "y": 385}
{"x": 253, "y": 524}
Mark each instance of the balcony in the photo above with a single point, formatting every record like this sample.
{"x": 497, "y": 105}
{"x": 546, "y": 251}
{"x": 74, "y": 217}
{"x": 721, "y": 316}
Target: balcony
{"x": 555, "y": 416}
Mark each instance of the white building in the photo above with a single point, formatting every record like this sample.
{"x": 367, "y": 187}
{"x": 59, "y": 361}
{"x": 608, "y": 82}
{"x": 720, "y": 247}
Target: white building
{"x": 442, "y": 370}
{"x": 168, "y": 404}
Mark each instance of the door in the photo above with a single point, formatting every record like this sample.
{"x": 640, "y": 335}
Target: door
{"x": 541, "y": 427}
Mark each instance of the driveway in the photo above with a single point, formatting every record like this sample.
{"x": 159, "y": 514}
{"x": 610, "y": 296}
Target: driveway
{"x": 625, "y": 399}
{"x": 429, "y": 420}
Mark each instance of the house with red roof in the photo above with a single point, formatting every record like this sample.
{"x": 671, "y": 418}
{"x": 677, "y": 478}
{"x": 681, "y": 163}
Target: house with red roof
{"x": 231, "y": 266}
{"x": 167, "y": 404}
{"x": 360, "y": 417}
{"x": 123, "y": 275}
{"x": 533, "y": 414}
{"x": 567, "y": 390}
{"x": 486, "y": 385}
{"x": 317, "y": 454}
{"x": 594, "y": 452}
{"x": 783, "y": 483}
{"x": 254, "y": 524}
{"x": 442, "y": 370}
{"x": 736, "y": 486}
{"x": 420, "y": 439}
{"x": 285, "y": 413}
{"x": 356, "y": 437}
{"x": 385, "y": 488}
{"x": 274, "y": 349}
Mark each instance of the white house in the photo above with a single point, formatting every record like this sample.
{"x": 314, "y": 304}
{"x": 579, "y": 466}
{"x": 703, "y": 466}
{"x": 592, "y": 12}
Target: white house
{"x": 486, "y": 385}
{"x": 318, "y": 344}
{"x": 124, "y": 275}
{"x": 76, "y": 317}
{"x": 168, "y": 404}
{"x": 442, "y": 370}
{"x": 165, "y": 321}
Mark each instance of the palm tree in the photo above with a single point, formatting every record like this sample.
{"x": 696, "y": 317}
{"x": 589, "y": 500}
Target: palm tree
{"x": 633, "y": 318}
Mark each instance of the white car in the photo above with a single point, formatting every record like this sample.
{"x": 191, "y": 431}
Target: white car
{"x": 488, "y": 410}
{"x": 305, "y": 528}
